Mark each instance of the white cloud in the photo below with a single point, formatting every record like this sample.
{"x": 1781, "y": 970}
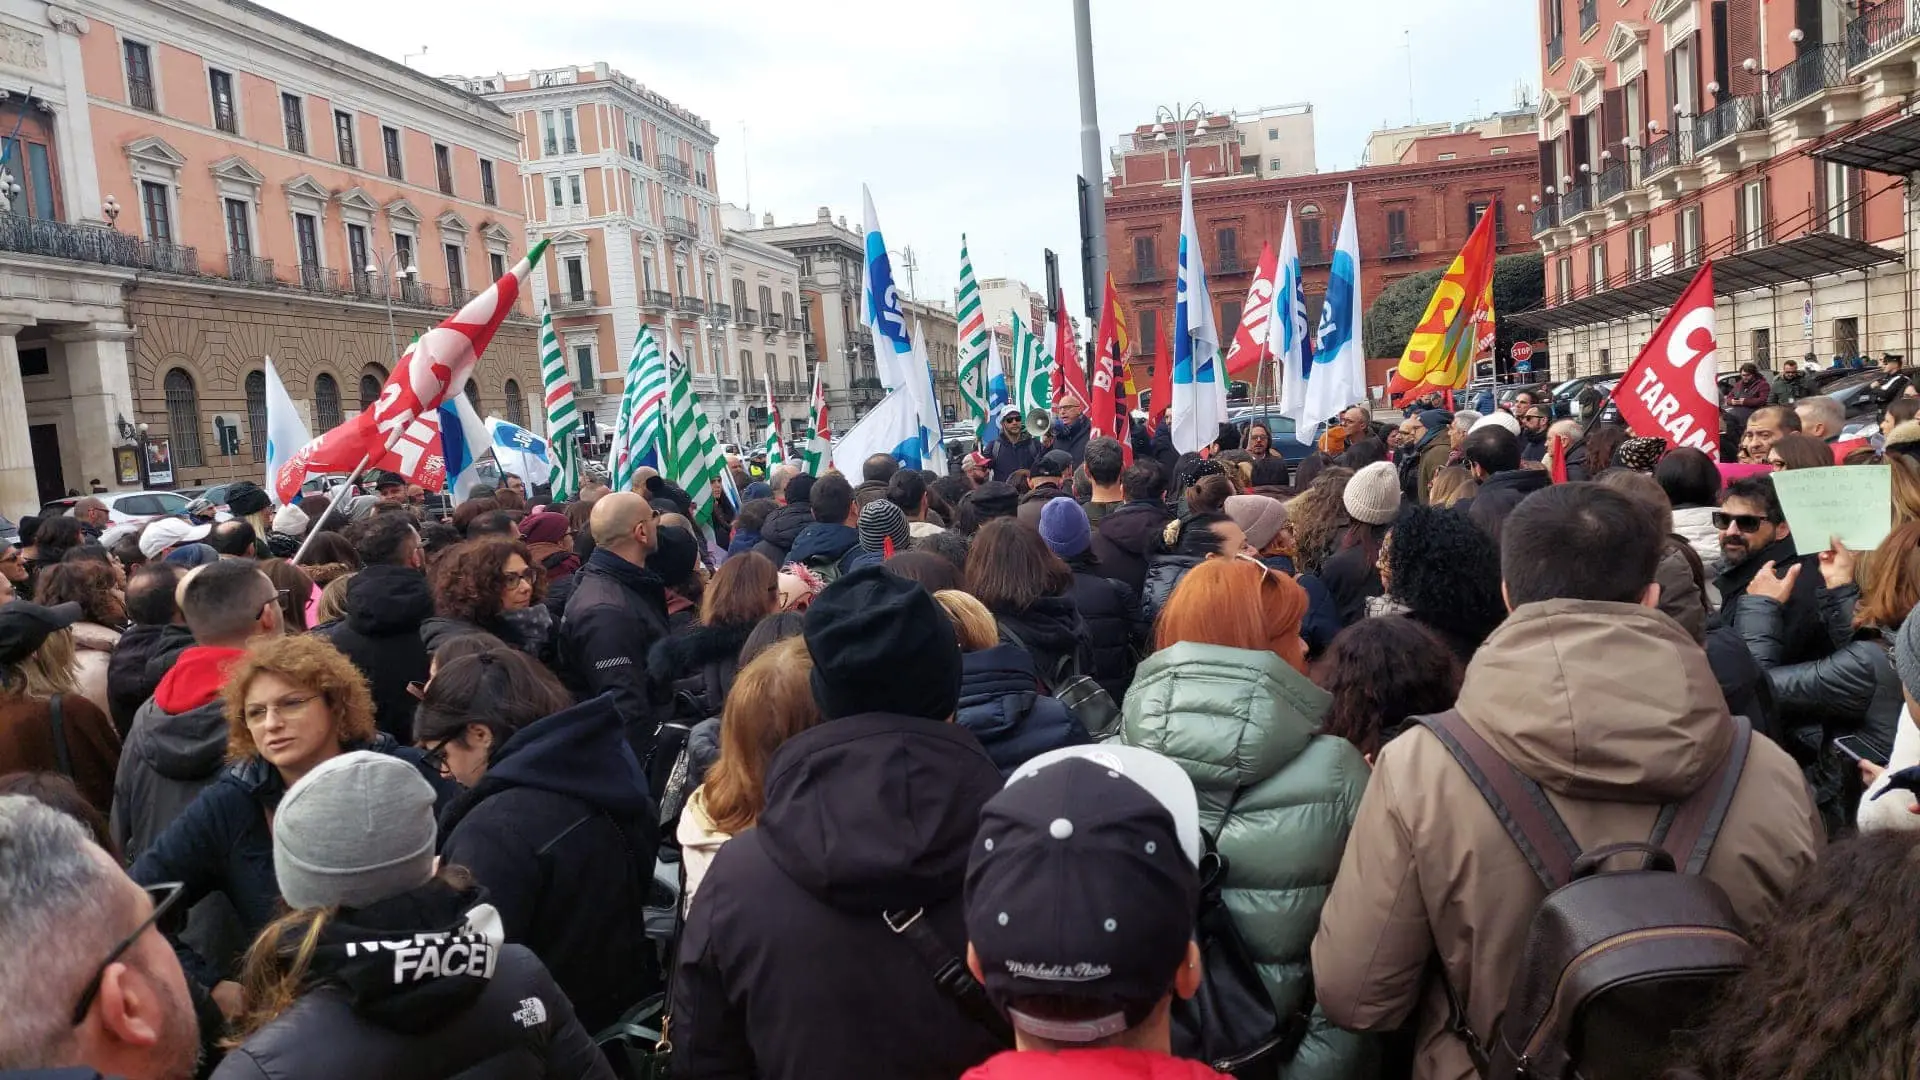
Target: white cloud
{"x": 965, "y": 116}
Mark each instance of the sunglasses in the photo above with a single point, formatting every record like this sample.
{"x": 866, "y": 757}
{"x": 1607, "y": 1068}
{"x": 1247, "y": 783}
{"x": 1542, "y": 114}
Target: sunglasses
{"x": 164, "y": 896}
{"x": 1746, "y": 523}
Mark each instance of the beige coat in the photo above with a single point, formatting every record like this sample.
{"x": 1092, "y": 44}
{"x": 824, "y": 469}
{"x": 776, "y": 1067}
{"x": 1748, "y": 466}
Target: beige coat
{"x": 699, "y": 843}
{"x": 1613, "y": 710}
{"x": 92, "y": 648}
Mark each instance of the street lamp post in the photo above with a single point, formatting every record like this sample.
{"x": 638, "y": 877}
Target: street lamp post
{"x": 377, "y": 262}
{"x": 1178, "y": 115}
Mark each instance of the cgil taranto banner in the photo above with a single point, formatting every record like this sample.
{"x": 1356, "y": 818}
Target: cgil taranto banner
{"x": 1458, "y": 327}
{"x": 1672, "y": 390}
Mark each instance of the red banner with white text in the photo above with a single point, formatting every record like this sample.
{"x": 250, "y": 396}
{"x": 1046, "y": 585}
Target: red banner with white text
{"x": 1671, "y": 391}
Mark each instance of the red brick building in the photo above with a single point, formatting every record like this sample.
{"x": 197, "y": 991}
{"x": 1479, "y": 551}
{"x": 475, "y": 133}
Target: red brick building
{"x": 1411, "y": 217}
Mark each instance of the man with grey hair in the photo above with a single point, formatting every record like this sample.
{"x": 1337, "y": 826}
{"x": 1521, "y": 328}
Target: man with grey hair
{"x": 777, "y": 480}
{"x": 89, "y": 981}
{"x": 1821, "y": 417}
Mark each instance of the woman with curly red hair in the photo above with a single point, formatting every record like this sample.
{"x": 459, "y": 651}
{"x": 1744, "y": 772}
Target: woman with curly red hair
{"x": 493, "y": 586}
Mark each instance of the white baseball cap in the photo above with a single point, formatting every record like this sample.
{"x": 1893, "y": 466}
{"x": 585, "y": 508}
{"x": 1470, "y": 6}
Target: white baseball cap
{"x": 166, "y": 533}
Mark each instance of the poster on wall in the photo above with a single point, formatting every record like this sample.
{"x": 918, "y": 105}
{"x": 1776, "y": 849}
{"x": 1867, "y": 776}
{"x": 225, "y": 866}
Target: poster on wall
{"x": 159, "y": 463}
{"x": 126, "y": 464}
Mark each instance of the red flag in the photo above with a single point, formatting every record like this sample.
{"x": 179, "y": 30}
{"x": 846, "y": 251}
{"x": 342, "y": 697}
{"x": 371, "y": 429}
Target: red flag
{"x": 1250, "y": 340}
{"x": 1110, "y": 412}
{"x": 1671, "y": 390}
{"x": 1557, "y": 457}
{"x": 1162, "y": 390}
{"x": 1068, "y": 380}
{"x": 1458, "y": 327}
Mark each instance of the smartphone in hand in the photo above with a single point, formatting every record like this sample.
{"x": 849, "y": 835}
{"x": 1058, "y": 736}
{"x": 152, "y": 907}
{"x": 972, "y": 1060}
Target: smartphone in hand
{"x": 1861, "y": 748}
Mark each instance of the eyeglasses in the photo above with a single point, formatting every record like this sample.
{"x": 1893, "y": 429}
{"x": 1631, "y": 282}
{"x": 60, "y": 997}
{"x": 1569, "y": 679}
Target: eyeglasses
{"x": 529, "y": 575}
{"x": 288, "y": 708}
{"x": 163, "y": 897}
{"x": 436, "y": 757}
{"x": 1746, "y": 523}
{"x": 1533, "y": 416}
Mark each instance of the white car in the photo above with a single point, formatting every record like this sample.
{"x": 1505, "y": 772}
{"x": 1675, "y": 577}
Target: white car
{"x": 124, "y": 507}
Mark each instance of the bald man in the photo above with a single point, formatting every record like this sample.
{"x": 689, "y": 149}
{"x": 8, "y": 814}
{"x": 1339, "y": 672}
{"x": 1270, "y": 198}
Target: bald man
{"x": 617, "y": 612}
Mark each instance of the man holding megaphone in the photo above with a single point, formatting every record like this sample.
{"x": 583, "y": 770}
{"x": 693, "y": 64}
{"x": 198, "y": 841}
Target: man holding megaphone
{"x": 1015, "y": 449}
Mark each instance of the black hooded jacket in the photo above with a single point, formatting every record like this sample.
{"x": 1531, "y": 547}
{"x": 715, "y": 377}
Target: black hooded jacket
{"x": 421, "y": 985}
{"x": 1163, "y": 573}
{"x": 1054, "y": 634}
{"x": 381, "y": 635}
{"x": 617, "y": 612}
{"x": 1125, "y": 539}
{"x": 1500, "y": 493}
{"x": 1113, "y": 622}
{"x": 781, "y": 529}
{"x": 1001, "y": 703}
{"x": 561, "y": 833}
{"x": 786, "y": 970}
{"x": 700, "y": 664}
{"x": 140, "y": 658}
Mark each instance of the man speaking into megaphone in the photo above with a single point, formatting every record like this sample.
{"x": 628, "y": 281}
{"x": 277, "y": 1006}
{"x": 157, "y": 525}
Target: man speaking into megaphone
{"x": 1015, "y": 449}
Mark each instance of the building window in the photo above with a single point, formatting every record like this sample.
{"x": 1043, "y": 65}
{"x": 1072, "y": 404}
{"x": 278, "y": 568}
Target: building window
{"x": 257, "y": 413}
{"x": 140, "y": 76}
{"x": 557, "y": 132}
{"x": 183, "y": 418}
{"x": 225, "y": 116}
{"x": 357, "y": 256}
{"x": 1688, "y": 241}
{"x": 1143, "y": 255}
{"x": 390, "y": 143}
{"x": 443, "y": 167}
{"x": 575, "y": 269}
{"x": 516, "y": 408}
{"x": 456, "y": 270}
{"x": 403, "y": 250}
{"x": 583, "y": 361}
{"x": 293, "y": 112}
{"x": 154, "y": 210}
{"x": 1762, "y": 346}
{"x": 239, "y": 229}
{"x": 326, "y": 402}
{"x": 1310, "y": 233}
{"x": 28, "y": 139}
{"x": 1753, "y": 215}
{"x": 487, "y": 193}
{"x": 1150, "y": 335}
{"x": 1846, "y": 337}
{"x": 496, "y": 265}
{"x": 1837, "y": 193}
{"x": 1563, "y": 281}
{"x": 1229, "y": 318}
{"x": 473, "y": 395}
{"x": 746, "y": 368}
{"x": 1498, "y": 150}
{"x": 306, "y": 235}
{"x": 343, "y": 138}
{"x": 1396, "y": 232}
{"x": 369, "y": 390}
{"x": 1596, "y": 268}
{"x": 1638, "y": 263}
{"x": 1226, "y": 243}
{"x": 566, "y": 190}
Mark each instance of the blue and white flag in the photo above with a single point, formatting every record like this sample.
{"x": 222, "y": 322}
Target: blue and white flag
{"x": 1337, "y": 377}
{"x": 891, "y": 427}
{"x": 999, "y": 396}
{"x": 519, "y": 451}
{"x": 1287, "y": 333}
{"x": 1199, "y": 384}
{"x": 901, "y": 368}
{"x": 286, "y": 431}
{"x": 463, "y": 443}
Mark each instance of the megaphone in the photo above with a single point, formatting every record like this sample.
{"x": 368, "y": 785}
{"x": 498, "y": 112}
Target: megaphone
{"x": 1039, "y": 422}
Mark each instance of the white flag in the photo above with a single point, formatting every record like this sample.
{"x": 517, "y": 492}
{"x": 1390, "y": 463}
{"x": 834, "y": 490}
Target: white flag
{"x": 286, "y": 431}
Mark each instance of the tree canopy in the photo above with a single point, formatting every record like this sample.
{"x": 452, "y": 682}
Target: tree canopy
{"x": 1519, "y": 283}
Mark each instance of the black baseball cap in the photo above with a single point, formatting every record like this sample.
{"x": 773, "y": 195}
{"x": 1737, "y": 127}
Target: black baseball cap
{"x": 1053, "y": 463}
{"x": 25, "y": 626}
{"x": 1083, "y": 884}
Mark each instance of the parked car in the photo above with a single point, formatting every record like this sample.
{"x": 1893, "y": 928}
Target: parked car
{"x": 1285, "y": 439}
{"x": 9, "y": 532}
{"x": 125, "y": 507}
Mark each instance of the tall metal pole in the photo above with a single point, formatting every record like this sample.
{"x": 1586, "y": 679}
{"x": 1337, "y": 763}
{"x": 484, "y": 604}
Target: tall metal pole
{"x": 1090, "y": 166}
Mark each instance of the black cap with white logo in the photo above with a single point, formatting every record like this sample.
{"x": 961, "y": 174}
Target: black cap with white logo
{"x": 1082, "y": 884}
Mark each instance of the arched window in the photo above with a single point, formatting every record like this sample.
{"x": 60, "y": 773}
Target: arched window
{"x": 183, "y": 418}
{"x": 372, "y": 378}
{"x": 326, "y": 402}
{"x": 473, "y": 395}
{"x": 257, "y": 413}
{"x": 516, "y": 408}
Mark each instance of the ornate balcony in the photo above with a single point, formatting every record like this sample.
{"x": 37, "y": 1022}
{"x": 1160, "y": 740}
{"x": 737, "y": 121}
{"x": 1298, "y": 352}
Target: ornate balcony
{"x": 1727, "y": 119}
{"x": 1817, "y": 69}
{"x": 656, "y": 300}
{"x": 59, "y": 240}
{"x": 675, "y": 225}
{"x": 250, "y": 270}
{"x": 1880, "y": 29}
{"x": 692, "y": 305}
{"x": 572, "y": 300}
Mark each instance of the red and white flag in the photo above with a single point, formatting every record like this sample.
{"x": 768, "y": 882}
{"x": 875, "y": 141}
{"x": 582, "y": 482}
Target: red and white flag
{"x": 1671, "y": 391}
{"x": 1069, "y": 379}
{"x": 1249, "y": 348}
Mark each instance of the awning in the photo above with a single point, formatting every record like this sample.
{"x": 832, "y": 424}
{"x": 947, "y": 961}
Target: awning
{"x": 1893, "y": 149}
{"x": 1800, "y": 259}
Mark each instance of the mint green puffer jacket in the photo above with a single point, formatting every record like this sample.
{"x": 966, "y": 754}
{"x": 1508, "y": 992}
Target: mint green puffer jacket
{"x": 1241, "y": 720}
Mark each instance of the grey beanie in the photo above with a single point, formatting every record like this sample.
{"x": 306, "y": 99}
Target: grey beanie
{"x": 1373, "y": 494}
{"x": 1906, "y": 655}
{"x": 355, "y": 830}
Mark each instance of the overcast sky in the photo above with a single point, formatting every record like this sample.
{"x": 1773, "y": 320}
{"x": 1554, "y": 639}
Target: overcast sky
{"x": 963, "y": 116}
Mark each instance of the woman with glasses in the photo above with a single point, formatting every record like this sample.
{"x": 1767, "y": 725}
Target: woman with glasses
{"x": 389, "y": 965}
{"x": 1226, "y": 697}
{"x": 555, "y": 821}
{"x": 291, "y": 703}
{"x": 490, "y": 585}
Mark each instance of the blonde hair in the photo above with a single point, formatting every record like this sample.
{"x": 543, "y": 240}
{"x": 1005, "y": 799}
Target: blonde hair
{"x": 309, "y": 662}
{"x": 1450, "y": 485}
{"x": 333, "y": 600}
{"x": 771, "y": 702}
{"x": 973, "y": 624}
{"x": 48, "y": 671}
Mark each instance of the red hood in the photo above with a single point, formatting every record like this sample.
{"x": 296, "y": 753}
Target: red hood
{"x": 1089, "y": 1065}
{"x": 195, "y": 679}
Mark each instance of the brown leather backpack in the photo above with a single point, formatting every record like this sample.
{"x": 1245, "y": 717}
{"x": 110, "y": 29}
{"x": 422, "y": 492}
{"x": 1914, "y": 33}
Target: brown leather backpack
{"x": 1617, "y": 962}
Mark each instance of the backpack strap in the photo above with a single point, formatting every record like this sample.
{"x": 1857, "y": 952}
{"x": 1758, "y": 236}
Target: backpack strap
{"x": 56, "y": 718}
{"x": 1523, "y": 809}
{"x": 1697, "y": 820}
{"x": 949, "y": 972}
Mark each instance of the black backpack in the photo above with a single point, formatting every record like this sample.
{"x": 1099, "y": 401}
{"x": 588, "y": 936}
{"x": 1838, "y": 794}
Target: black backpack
{"x": 1617, "y": 962}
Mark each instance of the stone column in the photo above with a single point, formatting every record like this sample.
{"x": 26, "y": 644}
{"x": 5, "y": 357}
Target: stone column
{"x": 19, "y": 494}
{"x": 102, "y": 392}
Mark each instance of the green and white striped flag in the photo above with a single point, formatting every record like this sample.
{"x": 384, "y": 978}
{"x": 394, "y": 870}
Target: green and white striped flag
{"x": 819, "y": 442}
{"x": 1032, "y": 373}
{"x": 563, "y": 417}
{"x": 643, "y": 406}
{"x": 691, "y": 457}
{"x": 973, "y": 348}
{"x": 776, "y": 444}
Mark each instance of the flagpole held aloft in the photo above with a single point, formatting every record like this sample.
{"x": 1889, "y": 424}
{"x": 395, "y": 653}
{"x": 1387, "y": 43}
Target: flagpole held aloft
{"x": 313, "y": 529}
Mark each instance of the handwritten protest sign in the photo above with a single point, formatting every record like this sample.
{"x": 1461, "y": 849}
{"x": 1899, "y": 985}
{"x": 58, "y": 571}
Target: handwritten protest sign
{"x": 1853, "y": 502}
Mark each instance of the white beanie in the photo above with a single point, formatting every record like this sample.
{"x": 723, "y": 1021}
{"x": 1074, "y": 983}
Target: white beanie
{"x": 1373, "y": 495}
{"x": 1497, "y": 418}
{"x": 357, "y": 829}
{"x": 290, "y": 520}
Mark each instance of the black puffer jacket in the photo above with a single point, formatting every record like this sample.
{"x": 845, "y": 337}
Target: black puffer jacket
{"x": 1113, "y": 623}
{"x": 782, "y": 528}
{"x": 1498, "y": 494}
{"x": 617, "y": 612}
{"x": 390, "y": 996}
{"x": 381, "y": 635}
{"x": 1054, "y": 634}
{"x": 1125, "y": 539}
{"x": 1163, "y": 573}
{"x": 699, "y": 663}
{"x": 1001, "y": 703}
{"x": 140, "y": 659}
{"x": 562, "y": 834}
{"x": 786, "y": 970}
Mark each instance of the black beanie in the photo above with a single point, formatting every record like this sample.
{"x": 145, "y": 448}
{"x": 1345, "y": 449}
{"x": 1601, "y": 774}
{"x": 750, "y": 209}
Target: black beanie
{"x": 880, "y": 643}
{"x": 994, "y": 499}
{"x": 675, "y": 551}
{"x": 799, "y": 488}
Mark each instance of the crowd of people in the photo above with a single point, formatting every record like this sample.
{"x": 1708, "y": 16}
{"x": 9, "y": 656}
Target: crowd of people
{"x": 1088, "y": 760}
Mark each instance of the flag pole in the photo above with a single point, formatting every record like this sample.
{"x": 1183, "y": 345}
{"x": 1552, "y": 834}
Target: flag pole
{"x": 313, "y": 529}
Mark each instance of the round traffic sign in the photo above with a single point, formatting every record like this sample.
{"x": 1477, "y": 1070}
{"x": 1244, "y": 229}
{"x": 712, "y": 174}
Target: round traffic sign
{"x": 1522, "y": 350}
